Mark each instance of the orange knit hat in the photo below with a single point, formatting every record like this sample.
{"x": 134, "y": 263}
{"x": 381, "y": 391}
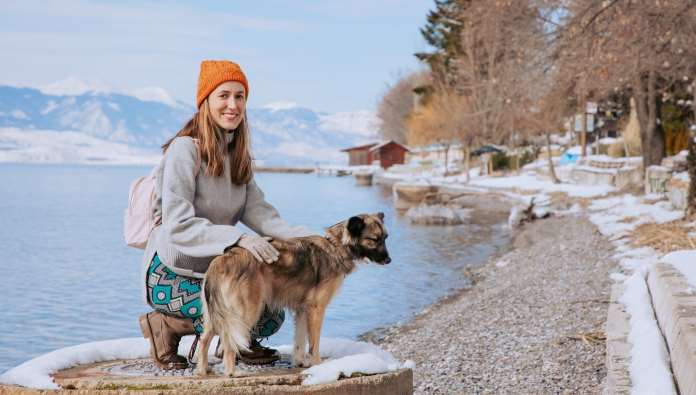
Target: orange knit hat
{"x": 214, "y": 73}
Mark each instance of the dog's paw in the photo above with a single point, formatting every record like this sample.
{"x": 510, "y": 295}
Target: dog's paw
{"x": 300, "y": 361}
{"x": 201, "y": 372}
{"x": 314, "y": 360}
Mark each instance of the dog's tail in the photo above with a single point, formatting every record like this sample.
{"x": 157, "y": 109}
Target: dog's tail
{"x": 224, "y": 318}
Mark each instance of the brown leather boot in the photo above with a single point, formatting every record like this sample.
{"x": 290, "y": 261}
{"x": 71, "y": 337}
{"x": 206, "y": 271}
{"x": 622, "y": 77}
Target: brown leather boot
{"x": 257, "y": 355}
{"x": 164, "y": 333}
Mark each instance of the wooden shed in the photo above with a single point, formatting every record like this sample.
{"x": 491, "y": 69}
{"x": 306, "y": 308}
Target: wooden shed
{"x": 388, "y": 153}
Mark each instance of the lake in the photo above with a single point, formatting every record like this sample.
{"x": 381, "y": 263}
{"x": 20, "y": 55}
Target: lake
{"x": 70, "y": 279}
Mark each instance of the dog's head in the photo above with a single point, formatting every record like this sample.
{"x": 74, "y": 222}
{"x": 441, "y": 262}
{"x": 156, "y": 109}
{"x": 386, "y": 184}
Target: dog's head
{"x": 365, "y": 235}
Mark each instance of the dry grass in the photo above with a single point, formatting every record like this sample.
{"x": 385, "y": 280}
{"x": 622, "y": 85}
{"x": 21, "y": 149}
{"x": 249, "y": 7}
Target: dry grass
{"x": 664, "y": 238}
{"x": 590, "y": 338}
{"x": 628, "y": 220}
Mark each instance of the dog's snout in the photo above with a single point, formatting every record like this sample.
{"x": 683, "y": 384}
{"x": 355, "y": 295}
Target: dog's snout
{"x": 386, "y": 261}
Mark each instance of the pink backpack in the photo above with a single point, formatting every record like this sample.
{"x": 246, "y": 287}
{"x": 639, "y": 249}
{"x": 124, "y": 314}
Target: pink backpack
{"x": 139, "y": 219}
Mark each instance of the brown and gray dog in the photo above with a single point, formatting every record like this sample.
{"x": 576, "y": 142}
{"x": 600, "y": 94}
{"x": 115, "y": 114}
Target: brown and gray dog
{"x": 305, "y": 278}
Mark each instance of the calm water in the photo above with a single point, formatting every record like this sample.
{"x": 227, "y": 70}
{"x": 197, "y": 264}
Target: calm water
{"x": 69, "y": 278}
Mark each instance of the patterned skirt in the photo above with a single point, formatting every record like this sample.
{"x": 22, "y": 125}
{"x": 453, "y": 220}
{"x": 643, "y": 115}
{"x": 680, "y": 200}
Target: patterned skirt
{"x": 180, "y": 296}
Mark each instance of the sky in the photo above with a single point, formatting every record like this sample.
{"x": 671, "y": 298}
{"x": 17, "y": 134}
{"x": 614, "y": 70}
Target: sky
{"x": 327, "y": 55}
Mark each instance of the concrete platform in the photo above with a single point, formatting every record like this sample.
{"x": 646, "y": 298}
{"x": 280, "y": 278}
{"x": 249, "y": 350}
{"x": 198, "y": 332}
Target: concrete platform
{"x": 618, "y": 347}
{"x": 129, "y": 377}
{"x": 619, "y": 178}
{"x": 678, "y": 193}
{"x": 675, "y": 309}
{"x": 407, "y": 195}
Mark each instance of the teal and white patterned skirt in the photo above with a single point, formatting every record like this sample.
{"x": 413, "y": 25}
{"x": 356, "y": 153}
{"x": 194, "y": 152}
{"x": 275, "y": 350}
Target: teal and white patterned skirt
{"x": 180, "y": 296}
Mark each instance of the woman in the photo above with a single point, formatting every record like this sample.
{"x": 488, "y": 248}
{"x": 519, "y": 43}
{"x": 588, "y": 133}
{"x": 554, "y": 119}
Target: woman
{"x": 204, "y": 187}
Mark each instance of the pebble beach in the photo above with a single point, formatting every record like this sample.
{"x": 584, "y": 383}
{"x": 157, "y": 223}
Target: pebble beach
{"x": 532, "y": 322}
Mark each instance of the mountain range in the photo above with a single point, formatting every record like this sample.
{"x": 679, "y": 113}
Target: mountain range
{"x": 73, "y": 122}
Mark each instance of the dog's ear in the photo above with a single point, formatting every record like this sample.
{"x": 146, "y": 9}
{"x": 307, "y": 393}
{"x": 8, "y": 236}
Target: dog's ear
{"x": 355, "y": 226}
{"x": 380, "y": 215}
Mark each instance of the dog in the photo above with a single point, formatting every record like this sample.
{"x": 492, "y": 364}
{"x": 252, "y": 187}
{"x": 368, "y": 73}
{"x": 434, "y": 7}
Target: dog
{"x": 304, "y": 279}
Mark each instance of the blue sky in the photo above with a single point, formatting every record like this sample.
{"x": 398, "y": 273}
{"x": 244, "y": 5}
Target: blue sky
{"x": 326, "y": 55}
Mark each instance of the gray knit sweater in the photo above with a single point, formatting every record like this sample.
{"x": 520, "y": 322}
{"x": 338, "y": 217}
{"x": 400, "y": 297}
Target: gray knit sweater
{"x": 199, "y": 212}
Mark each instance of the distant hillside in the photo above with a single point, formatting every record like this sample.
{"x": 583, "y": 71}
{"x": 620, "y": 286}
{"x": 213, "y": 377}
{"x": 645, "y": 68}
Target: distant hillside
{"x": 282, "y": 133}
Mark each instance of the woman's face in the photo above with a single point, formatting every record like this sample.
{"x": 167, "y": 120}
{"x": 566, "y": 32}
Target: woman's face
{"x": 227, "y": 104}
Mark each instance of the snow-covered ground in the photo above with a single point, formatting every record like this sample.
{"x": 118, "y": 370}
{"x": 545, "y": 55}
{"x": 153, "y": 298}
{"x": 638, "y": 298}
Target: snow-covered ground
{"x": 616, "y": 216}
{"x": 342, "y": 356}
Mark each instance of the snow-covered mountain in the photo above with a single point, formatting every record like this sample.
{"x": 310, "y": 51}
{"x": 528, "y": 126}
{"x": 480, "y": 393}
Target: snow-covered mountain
{"x": 140, "y": 121}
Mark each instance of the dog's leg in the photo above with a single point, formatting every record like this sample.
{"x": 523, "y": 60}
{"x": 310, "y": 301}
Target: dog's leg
{"x": 206, "y": 338}
{"x": 299, "y": 354}
{"x": 230, "y": 354}
{"x": 315, "y": 318}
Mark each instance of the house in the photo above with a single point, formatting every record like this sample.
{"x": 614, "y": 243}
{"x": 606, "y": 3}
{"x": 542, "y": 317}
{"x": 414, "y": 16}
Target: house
{"x": 387, "y": 153}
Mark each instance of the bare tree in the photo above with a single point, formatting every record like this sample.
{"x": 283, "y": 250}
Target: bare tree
{"x": 645, "y": 46}
{"x": 439, "y": 120}
{"x": 500, "y": 61}
{"x": 396, "y": 105}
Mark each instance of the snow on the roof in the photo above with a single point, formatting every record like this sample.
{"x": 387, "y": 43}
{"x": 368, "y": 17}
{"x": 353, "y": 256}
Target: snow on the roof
{"x": 383, "y": 143}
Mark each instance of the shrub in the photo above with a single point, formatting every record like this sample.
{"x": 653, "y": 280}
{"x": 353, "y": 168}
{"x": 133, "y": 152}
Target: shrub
{"x": 527, "y": 157}
{"x": 500, "y": 161}
{"x": 616, "y": 149}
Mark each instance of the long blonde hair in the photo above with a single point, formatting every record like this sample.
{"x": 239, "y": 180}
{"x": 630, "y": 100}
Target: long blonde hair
{"x": 212, "y": 147}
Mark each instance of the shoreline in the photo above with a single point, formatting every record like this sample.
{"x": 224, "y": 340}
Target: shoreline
{"x": 510, "y": 331}
{"x": 284, "y": 170}
{"x": 490, "y": 210}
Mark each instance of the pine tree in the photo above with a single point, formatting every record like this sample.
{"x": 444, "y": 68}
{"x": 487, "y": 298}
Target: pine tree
{"x": 442, "y": 32}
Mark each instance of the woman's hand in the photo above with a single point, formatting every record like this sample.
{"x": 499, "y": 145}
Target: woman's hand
{"x": 259, "y": 247}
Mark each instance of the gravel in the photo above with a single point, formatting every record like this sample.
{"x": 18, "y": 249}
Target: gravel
{"x": 512, "y": 332}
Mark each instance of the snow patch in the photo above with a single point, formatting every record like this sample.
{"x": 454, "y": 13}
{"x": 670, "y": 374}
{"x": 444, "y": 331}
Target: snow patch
{"x": 345, "y": 358}
{"x": 685, "y": 262}
{"x": 35, "y": 373}
{"x": 618, "y": 216}
{"x": 649, "y": 367}
{"x": 438, "y": 215}
{"x": 530, "y": 182}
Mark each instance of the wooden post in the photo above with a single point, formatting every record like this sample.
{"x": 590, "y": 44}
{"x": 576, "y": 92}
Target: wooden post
{"x": 583, "y": 133}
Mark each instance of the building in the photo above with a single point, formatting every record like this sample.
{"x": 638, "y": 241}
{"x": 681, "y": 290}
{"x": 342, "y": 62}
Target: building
{"x": 388, "y": 153}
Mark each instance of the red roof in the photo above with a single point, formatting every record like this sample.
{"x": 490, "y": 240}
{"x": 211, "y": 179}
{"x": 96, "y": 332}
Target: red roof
{"x": 358, "y": 148}
{"x": 385, "y": 143}
{"x": 374, "y": 146}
